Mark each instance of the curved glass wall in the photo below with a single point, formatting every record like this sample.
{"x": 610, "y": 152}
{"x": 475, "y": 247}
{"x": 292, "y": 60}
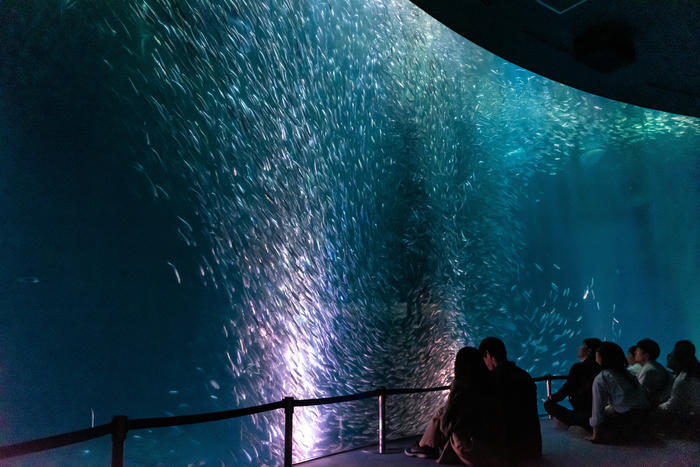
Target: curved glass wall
{"x": 213, "y": 204}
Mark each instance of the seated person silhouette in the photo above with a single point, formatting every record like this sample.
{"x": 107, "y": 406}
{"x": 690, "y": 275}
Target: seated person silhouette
{"x": 653, "y": 377}
{"x": 620, "y": 407}
{"x": 516, "y": 398}
{"x": 577, "y": 387}
{"x": 680, "y": 413}
{"x": 464, "y": 429}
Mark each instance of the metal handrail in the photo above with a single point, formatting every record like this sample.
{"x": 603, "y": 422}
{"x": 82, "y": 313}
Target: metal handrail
{"x": 335, "y": 400}
{"x": 398, "y": 391}
{"x": 52, "y": 442}
{"x": 140, "y": 423}
{"x": 121, "y": 424}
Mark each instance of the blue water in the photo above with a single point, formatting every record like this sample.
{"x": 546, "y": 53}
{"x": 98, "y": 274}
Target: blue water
{"x": 209, "y": 205}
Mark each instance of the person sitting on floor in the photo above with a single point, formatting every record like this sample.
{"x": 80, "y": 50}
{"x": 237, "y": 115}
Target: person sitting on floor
{"x": 516, "y": 396}
{"x": 620, "y": 407}
{"x": 632, "y": 365}
{"x": 680, "y": 414}
{"x": 653, "y": 377}
{"x": 578, "y": 387}
{"x": 464, "y": 429}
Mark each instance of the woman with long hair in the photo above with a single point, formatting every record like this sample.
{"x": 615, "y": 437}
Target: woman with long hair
{"x": 465, "y": 429}
{"x": 620, "y": 406}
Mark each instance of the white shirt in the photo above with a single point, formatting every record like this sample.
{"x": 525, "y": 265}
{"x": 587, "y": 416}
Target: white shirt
{"x": 618, "y": 390}
{"x": 635, "y": 369}
{"x": 685, "y": 395}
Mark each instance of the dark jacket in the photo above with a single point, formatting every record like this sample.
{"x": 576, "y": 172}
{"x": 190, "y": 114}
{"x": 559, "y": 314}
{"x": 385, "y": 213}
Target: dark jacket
{"x": 578, "y": 385}
{"x": 521, "y": 439}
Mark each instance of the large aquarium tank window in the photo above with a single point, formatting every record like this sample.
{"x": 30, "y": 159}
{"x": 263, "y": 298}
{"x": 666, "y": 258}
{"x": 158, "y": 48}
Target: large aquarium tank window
{"x": 214, "y": 204}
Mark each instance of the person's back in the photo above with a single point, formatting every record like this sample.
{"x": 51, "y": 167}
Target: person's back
{"x": 656, "y": 381}
{"x": 518, "y": 395}
{"x": 617, "y": 390}
{"x": 685, "y": 395}
{"x": 620, "y": 406}
{"x": 680, "y": 413}
{"x": 581, "y": 396}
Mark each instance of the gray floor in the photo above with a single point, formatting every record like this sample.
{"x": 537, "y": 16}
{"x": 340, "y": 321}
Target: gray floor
{"x": 560, "y": 448}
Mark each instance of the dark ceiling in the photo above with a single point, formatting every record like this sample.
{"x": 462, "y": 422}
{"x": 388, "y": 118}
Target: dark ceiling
{"x": 644, "y": 52}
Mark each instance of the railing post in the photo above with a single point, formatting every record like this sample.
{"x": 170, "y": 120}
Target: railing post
{"x": 382, "y": 419}
{"x": 548, "y": 384}
{"x": 119, "y": 428}
{"x": 288, "y": 430}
